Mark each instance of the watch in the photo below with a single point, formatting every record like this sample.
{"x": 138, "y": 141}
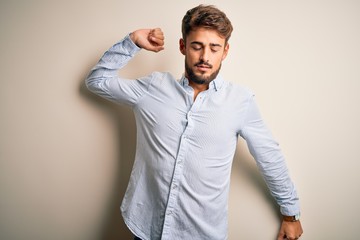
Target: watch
{"x": 291, "y": 218}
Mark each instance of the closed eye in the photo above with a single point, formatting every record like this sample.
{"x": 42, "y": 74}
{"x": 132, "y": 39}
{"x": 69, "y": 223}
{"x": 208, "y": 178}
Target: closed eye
{"x": 215, "y": 47}
{"x": 196, "y": 46}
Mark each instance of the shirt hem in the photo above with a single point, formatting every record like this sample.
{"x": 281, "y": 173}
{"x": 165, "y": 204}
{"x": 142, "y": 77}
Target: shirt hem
{"x": 133, "y": 228}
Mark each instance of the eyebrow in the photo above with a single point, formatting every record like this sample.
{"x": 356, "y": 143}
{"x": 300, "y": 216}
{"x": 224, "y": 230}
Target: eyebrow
{"x": 211, "y": 44}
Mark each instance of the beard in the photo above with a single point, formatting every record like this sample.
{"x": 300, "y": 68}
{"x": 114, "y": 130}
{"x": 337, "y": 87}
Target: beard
{"x": 199, "y": 79}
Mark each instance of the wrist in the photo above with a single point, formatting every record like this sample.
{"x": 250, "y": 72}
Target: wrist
{"x": 133, "y": 38}
{"x": 294, "y": 218}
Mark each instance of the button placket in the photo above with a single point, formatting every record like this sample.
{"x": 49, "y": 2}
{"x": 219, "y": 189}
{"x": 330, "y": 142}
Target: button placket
{"x": 175, "y": 182}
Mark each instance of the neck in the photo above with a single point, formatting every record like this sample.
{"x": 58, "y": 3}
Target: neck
{"x": 198, "y": 87}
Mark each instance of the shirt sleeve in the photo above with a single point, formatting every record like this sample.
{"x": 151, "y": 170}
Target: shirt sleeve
{"x": 103, "y": 79}
{"x": 270, "y": 160}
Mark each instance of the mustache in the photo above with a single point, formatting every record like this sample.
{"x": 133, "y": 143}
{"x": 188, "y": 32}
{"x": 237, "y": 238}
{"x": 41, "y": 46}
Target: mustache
{"x": 203, "y": 63}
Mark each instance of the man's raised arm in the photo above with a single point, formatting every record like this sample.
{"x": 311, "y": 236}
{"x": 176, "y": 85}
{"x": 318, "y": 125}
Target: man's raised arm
{"x": 103, "y": 78}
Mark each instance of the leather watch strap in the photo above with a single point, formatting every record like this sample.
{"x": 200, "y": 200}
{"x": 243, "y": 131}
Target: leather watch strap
{"x": 291, "y": 218}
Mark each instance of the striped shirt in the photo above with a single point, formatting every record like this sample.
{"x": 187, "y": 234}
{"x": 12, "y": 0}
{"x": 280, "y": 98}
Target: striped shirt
{"x": 180, "y": 179}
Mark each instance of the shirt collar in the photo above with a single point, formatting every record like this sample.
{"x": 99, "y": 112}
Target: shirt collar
{"x": 215, "y": 84}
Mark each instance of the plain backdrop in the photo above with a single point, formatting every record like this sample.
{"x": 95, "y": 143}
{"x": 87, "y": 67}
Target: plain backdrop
{"x": 66, "y": 154}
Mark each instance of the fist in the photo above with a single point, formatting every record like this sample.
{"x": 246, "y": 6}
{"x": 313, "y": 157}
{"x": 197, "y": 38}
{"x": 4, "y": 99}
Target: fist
{"x": 149, "y": 39}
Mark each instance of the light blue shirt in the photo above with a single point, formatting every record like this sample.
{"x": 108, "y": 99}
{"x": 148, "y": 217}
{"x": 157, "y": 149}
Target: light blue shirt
{"x": 180, "y": 180}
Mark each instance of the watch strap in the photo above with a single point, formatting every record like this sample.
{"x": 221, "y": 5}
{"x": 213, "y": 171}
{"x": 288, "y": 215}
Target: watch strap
{"x": 291, "y": 218}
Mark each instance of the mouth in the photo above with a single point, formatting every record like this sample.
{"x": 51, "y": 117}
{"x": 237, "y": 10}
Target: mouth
{"x": 203, "y": 67}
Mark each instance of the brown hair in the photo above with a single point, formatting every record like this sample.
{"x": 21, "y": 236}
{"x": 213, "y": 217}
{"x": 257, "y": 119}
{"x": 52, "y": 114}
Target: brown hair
{"x": 206, "y": 16}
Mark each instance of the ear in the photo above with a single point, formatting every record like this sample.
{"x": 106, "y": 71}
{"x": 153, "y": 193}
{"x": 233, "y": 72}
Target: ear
{"x": 226, "y": 50}
{"x": 182, "y": 46}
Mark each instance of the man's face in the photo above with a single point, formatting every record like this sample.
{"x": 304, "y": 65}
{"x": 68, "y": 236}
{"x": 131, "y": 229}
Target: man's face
{"x": 204, "y": 51}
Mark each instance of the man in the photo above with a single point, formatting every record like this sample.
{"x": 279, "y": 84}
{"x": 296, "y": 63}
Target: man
{"x": 187, "y": 133}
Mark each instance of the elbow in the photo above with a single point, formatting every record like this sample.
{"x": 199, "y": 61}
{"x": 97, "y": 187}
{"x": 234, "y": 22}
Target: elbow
{"x": 90, "y": 82}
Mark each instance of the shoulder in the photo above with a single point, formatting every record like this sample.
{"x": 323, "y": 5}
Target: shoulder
{"x": 238, "y": 90}
{"x": 162, "y": 76}
{"x": 155, "y": 77}
{"x": 161, "y": 80}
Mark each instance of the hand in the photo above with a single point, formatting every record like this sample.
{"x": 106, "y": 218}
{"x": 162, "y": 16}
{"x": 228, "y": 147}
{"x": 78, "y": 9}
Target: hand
{"x": 149, "y": 39}
{"x": 290, "y": 230}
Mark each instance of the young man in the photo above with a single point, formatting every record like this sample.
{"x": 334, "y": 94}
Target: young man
{"x": 187, "y": 133}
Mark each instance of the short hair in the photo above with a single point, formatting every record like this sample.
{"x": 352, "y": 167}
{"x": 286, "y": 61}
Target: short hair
{"x": 206, "y": 16}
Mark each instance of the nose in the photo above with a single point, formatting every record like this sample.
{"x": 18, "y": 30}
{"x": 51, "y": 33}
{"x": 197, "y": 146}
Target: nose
{"x": 205, "y": 55}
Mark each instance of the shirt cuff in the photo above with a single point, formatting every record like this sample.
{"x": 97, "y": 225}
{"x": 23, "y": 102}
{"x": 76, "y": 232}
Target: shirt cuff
{"x": 290, "y": 210}
{"x": 130, "y": 45}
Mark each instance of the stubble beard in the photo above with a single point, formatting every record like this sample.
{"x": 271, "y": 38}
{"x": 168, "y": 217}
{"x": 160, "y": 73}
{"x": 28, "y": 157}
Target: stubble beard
{"x": 199, "y": 79}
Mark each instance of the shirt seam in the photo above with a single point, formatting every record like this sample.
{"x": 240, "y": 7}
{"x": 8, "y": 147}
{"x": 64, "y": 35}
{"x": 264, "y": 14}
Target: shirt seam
{"x": 244, "y": 122}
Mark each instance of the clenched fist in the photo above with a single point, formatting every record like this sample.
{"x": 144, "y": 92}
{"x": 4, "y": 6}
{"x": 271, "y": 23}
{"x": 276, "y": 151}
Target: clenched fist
{"x": 149, "y": 39}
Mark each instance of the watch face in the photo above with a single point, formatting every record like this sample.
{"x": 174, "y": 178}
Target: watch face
{"x": 297, "y": 217}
